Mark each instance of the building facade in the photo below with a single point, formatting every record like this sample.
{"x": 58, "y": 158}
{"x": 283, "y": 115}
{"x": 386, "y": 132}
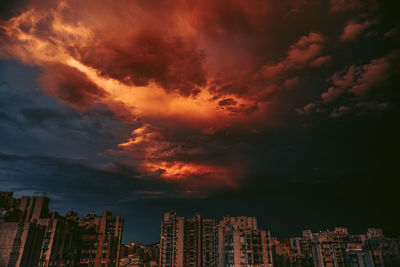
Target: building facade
{"x": 336, "y": 248}
{"x": 237, "y": 242}
{"x": 20, "y": 243}
{"x": 190, "y": 242}
{"x": 199, "y": 242}
{"x": 172, "y": 240}
{"x": 100, "y": 239}
{"x": 241, "y": 243}
{"x": 31, "y": 235}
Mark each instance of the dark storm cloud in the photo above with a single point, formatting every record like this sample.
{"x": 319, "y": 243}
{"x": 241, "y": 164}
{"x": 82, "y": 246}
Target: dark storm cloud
{"x": 148, "y": 56}
{"x": 70, "y": 86}
{"x": 356, "y": 86}
{"x": 34, "y": 123}
{"x": 70, "y": 179}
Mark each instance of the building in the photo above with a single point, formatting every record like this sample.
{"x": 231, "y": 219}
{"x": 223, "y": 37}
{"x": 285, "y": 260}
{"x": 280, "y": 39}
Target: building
{"x": 241, "y": 243}
{"x": 61, "y": 241}
{"x": 31, "y": 235}
{"x": 21, "y": 235}
{"x": 139, "y": 255}
{"x": 100, "y": 238}
{"x": 199, "y": 242}
{"x": 172, "y": 240}
{"x": 336, "y": 248}
{"x": 381, "y": 250}
{"x": 292, "y": 252}
{"x": 20, "y": 243}
{"x": 328, "y": 247}
{"x": 208, "y": 243}
{"x": 190, "y": 242}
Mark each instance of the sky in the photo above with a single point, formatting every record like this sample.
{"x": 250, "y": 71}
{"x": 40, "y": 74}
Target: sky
{"x": 283, "y": 110}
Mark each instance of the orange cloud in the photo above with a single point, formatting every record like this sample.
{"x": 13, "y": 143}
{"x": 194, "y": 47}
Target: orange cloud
{"x": 167, "y": 67}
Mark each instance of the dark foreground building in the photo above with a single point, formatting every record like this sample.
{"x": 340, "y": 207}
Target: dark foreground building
{"x": 31, "y": 235}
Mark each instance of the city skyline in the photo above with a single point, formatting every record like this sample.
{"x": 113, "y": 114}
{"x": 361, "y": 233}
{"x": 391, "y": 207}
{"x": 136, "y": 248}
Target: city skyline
{"x": 238, "y": 241}
{"x": 286, "y": 111}
{"x": 219, "y": 218}
{"x": 31, "y": 234}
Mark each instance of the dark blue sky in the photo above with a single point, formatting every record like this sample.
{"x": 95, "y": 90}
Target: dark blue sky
{"x": 326, "y": 155}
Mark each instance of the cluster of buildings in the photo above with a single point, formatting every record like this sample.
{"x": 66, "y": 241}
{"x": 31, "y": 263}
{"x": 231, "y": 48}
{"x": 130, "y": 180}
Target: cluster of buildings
{"x": 138, "y": 255}
{"x": 337, "y": 248}
{"x": 31, "y": 235}
{"x": 237, "y": 242}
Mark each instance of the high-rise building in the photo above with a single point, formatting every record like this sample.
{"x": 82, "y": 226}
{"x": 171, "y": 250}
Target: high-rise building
{"x": 328, "y": 247}
{"x": 241, "y": 243}
{"x": 21, "y": 236}
{"x": 374, "y": 233}
{"x": 100, "y": 239}
{"x": 187, "y": 242}
{"x": 172, "y": 240}
{"x": 382, "y": 251}
{"x": 208, "y": 243}
{"x": 33, "y": 208}
{"x": 31, "y": 235}
{"x": 199, "y": 242}
{"x": 61, "y": 242}
{"x": 20, "y": 243}
{"x": 192, "y": 252}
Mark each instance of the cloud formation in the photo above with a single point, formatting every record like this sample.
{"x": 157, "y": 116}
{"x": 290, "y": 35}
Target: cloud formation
{"x": 353, "y": 30}
{"x": 191, "y": 70}
{"x": 359, "y": 81}
{"x": 305, "y": 51}
{"x": 346, "y": 5}
{"x": 163, "y": 70}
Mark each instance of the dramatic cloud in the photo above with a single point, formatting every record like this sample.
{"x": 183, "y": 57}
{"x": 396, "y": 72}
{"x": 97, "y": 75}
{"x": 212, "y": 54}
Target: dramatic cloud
{"x": 359, "y": 81}
{"x": 341, "y": 81}
{"x": 373, "y": 74}
{"x": 353, "y": 29}
{"x": 393, "y": 32}
{"x": 163, "y": 70}
{"x": 305, "y": 50}
{"x": 346, "y": 5}
{"x": 192, "y": 70}
{"x": 70, "y": 86}
{"x": 320, "y": 61}
{"x": 307, "y": 109}
{"x": 339, "y": 111}
{"x": 147, "y": 56}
